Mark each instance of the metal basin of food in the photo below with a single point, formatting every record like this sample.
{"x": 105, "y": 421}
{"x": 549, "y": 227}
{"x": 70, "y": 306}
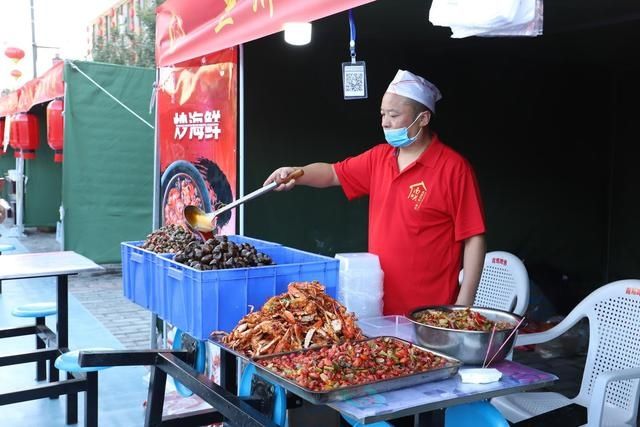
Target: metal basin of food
{"x": 470, "y": 347}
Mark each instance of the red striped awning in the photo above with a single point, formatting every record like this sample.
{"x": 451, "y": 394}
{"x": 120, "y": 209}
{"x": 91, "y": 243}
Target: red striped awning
{"x": 48, "y": 86}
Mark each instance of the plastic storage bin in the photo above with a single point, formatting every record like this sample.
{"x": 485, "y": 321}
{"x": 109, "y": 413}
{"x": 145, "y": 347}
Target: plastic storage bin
{"x": 138, "y": 273}
{"x": 139, "y": 268}
{"x": 199, "y": 302}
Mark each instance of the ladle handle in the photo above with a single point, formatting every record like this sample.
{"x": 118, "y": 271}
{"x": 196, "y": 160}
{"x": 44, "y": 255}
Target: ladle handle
{"x": 293, "y": 175}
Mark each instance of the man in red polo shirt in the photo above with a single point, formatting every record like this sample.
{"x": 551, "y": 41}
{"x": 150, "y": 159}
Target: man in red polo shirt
{"x": 425, "y": 211}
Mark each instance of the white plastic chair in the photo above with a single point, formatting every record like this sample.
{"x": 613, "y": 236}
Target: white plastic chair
{"x": 610, "y": 382}
{"x": 504, "y": 283}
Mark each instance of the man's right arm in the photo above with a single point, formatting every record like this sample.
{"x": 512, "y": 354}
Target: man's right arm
{"x": 319, "y": 175}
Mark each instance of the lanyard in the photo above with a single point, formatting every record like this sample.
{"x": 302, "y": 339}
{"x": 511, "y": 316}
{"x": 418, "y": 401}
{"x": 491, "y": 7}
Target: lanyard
{"x": 354, "y": 73}
{"x": 352, "y": 40}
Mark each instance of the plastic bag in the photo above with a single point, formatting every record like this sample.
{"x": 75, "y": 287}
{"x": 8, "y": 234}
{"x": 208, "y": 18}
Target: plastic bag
{"x": 473, "y": 13}
{"x": 489, "y": 18}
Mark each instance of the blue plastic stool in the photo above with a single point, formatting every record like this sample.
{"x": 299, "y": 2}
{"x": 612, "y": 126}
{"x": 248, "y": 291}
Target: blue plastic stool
{"x": 279, "y": 393}
{"x": 200, "y": 361}
{"x": 5, "y": 247}
{"x": 36, "y": 309}
{"x": 39, "y": 310}
{"x": 68, "y": 362}
{"x": 477, "y": 414}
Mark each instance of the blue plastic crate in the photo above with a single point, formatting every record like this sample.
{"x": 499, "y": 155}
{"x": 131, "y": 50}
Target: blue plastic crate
{"x": 139, "y": 268}
{"x": 199, "y": 302}
{"x": 138, "y": 273}
{"x": 294, "y": 265}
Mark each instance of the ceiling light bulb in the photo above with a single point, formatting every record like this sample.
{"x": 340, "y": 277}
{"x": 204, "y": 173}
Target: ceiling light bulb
{"x": 297, "y": 33}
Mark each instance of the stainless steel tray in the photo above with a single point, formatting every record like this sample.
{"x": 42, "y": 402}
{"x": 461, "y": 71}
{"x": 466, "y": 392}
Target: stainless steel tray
{"x": 350, "y": 392}
{"x": 216, "y": 338}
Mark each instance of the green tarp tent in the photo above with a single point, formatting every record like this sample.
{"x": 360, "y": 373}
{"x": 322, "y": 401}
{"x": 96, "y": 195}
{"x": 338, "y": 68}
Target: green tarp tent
{"x": 107, "y": 174}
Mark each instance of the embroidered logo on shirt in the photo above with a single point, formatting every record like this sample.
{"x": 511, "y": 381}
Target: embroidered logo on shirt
{"x": 417, "y": 193}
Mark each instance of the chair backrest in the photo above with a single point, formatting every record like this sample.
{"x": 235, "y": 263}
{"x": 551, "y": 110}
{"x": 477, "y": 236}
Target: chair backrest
{"x": 613, "y": 311}
{"x": 504, "y": 283}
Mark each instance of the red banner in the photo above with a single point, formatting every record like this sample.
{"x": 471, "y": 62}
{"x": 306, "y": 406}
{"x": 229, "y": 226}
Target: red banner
{"x": 44, "y": 88}
{"x": 197, "y": 133}
{"x": 187, "y": 29}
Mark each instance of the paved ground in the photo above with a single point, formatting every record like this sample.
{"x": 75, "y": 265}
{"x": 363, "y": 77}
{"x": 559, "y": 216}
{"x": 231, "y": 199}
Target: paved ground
{"x": 100, "y": 293}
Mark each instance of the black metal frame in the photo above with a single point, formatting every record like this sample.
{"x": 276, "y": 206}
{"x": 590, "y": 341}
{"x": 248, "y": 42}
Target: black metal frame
{"x": 228, "y": 407}
{"x": 50, "y": 345}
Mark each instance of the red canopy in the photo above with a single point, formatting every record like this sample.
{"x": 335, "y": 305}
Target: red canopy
{"x": 48, "y": 86}
{"x": 190, "y": 29}
{"x": 9, "y": 104}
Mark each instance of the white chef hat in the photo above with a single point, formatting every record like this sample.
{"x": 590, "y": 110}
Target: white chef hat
{"x": 407, "y": 84}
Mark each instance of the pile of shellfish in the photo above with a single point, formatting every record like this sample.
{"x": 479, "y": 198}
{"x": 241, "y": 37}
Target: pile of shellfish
{"x": 169, "y": 239}
{"x": 221, "y": 253}
{"x": 305, "y": 316}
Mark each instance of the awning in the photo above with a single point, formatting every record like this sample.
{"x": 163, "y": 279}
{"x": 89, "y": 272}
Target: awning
{"x": 193, "y": 28}
{"x": 48, "y": 86}
{"x": 9, "y": 104}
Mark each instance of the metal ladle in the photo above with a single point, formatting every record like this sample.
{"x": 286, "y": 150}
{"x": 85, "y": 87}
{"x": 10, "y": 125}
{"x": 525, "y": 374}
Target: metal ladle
{"x": 202, "y": 221}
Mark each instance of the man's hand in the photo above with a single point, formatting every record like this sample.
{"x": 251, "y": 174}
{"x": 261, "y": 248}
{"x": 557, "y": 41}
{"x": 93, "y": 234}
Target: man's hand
{"x": 280, "y": 174}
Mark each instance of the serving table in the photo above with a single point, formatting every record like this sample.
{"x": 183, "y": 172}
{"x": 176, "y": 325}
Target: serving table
{"x": 419, "y": 400}
{"x": 46, "y": 264}
{"x": 431, "y": 396}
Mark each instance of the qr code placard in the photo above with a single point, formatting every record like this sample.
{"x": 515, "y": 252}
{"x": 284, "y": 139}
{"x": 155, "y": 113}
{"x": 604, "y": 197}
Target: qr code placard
{"x": 354, "y": 79}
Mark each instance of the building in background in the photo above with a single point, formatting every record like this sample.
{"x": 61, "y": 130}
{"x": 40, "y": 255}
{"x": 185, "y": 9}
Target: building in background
{"x": 122, "y": 17}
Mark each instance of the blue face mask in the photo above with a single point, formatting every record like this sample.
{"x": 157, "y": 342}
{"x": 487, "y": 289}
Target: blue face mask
{"x": 399, "y": 138}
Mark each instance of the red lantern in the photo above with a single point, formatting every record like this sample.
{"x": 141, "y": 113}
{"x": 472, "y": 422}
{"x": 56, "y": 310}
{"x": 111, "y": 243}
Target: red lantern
{"x": 13, "y": 138}
{"x": 16, "y": 74}
{"x": 16, "y": 54}
{"x": 28, "y": 134}
{"x": 55, "y": 128}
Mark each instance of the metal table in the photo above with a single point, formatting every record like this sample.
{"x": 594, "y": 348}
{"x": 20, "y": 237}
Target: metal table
{"x": 420, "y": 400}
{"x": 245, "y": 411}
{"x": 47, "y": 264}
